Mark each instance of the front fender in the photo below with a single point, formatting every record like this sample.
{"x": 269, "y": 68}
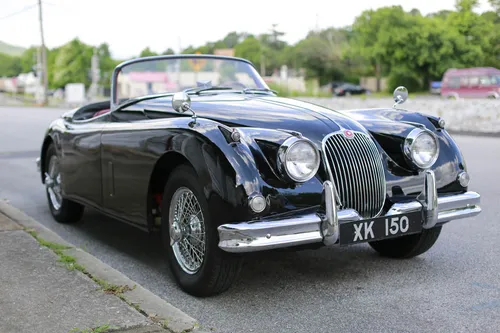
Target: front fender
{"x": 232, "y": 171}
{"x": 51, "y": 135}
{"x": 389, "y": 128}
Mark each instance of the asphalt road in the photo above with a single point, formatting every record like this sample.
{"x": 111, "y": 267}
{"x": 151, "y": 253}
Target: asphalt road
{"x": 454, "y": 287}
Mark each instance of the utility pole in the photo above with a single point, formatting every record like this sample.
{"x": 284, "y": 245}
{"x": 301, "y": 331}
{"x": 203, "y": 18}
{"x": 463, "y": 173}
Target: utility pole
{"x": 95, "y": 74}
{"x": 44, "y": 58}
{"x": 262, "y": 65}
{"x": 39, "y": 85}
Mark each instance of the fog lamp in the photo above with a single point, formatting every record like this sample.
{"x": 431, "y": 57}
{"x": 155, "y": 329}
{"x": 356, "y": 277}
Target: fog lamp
{"x": 257, "y": 203}
{"x": 464, "y": 178}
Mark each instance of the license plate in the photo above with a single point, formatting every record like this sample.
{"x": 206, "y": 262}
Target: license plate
{"x": 380, "y": 228}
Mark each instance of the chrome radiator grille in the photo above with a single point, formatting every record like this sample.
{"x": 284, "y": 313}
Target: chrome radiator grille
{"x": 357, "y": 172}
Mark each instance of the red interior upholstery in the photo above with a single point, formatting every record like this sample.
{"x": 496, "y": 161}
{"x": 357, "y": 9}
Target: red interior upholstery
{"x": 98, "y": 113}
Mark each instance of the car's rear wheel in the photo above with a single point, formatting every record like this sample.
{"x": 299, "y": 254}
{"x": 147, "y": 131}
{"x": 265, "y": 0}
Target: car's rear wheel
{"x": 62, "y": 209}
{"x": 407, "y": 246}
{"x": 190, "y": 238}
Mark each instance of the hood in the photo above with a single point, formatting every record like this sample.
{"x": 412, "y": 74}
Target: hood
{"x": 388, "y": 127}
{"x": 270, "y": 112}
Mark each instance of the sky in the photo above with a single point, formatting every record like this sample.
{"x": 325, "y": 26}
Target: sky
{"x": 129, "y": 27}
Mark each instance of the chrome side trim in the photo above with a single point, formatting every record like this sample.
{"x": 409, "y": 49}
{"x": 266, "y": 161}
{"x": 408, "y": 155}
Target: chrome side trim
{"x": 302, "y": 229}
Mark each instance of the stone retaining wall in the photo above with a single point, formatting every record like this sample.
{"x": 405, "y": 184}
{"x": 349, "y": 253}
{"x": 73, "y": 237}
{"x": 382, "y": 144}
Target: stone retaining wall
{"x": 466, "y": 115}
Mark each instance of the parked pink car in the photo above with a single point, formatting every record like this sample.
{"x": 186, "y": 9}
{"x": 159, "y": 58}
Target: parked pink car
{"x": 478, "y": 82}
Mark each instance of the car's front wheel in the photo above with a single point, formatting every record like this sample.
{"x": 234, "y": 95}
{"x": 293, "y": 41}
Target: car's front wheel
{"x": 407, "y": 246}
{"x": 190, "y": 238}
{"x": 62, "y": 209}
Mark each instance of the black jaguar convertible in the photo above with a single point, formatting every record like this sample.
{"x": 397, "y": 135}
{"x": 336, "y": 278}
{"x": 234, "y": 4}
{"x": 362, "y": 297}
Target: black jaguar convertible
{"x": 198, "y": 148}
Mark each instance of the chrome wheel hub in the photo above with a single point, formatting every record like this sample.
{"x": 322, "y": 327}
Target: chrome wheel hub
{"x": 53, "y": 183}
{"x": 187, "y": 230}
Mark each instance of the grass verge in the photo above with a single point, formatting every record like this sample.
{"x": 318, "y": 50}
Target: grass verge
{"x": 71, "y": 263}
{"x": 97, "y": 329}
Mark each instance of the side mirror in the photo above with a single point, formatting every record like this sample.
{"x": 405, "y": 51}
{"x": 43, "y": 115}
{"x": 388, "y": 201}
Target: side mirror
{"x": 400, "y": 95}
{"x": 181, "y": 102}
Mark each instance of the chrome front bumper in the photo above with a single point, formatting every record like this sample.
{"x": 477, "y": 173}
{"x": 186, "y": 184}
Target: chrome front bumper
{"x": 279, "y": 232}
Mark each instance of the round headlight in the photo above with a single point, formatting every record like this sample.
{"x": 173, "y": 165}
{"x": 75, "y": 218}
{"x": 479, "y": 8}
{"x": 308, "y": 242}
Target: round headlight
{"x": 298, "y": 159}
{"x": 422, "y": 148}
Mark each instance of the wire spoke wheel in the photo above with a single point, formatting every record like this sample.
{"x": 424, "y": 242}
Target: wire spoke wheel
{"x": 187, "y": 229}
{"x": 53, "y": 183}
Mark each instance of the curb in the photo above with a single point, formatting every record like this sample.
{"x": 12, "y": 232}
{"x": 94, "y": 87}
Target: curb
{"x": 140, "y": 298}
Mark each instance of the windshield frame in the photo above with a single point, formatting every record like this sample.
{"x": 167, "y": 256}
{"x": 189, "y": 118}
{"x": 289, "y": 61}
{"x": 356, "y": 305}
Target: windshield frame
{"x": 114, "y": 104}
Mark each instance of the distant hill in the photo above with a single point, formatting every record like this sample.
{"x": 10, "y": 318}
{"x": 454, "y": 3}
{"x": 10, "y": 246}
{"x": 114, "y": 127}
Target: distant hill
{"x": 11, "y": 49}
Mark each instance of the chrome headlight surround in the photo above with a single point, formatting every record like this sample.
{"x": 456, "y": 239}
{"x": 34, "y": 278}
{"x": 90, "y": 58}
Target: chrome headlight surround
{"x": 283, "y": 159}
{"x": 411, "y": 142}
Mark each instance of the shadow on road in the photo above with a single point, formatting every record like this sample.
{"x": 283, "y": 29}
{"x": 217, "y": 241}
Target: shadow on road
{"x": 278, "y": 269}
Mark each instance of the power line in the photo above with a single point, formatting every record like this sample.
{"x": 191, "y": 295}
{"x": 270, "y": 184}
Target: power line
{"x": 20, "y": 11}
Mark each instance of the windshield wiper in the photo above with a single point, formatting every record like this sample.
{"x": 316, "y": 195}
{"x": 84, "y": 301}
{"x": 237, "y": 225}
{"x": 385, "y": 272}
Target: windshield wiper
{"x": 198, "y": 90}
{"x": 258, "y": 89}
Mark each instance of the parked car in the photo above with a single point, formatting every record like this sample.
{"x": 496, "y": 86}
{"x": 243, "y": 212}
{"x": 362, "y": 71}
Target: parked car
{"x": 348, "y": 89}
{"x": 478, "y": 82}
{"x": 435, "y": 88}
{"x": 335, "y": 84}
{"x": 227, "y": 167}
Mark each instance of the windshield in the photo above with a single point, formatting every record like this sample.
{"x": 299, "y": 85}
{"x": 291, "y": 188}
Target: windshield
{"x": 170, "y": 75}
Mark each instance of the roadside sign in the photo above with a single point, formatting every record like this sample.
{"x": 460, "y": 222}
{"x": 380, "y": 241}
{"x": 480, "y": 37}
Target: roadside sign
{"x": 197, "y": 64}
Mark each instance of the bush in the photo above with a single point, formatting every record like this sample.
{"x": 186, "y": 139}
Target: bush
{"x": 411, "y": 81}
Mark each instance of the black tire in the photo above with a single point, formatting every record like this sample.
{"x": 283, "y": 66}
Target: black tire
{"x": 407, "y": 246}
{"x": 66, "y": 211}
{"x": 218, "y": 269}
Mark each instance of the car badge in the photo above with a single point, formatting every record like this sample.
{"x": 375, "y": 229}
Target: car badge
{"x": 349, "y": 134}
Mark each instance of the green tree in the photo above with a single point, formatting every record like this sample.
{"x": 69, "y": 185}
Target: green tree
{"x": 106, "y": 64}
{"x": 321, "y": 54}
{"x": 231, "y": 39}
{"x": 492, "y": 53}
{"x": 273, "y": 39}
{"x": 29, "y": 59}
{"x": 147, "y": 53}
{"x": 372, "y": 29}
{"x": 9, "y": 66}
{"x": 475, "y": 31}
{"x": 441, "y": 14}
{"x": 51, "y": 61}
{"x": 250, "y": 49}
{"x": 168, "y": 51}
{"x": 496, "y": 5}
{"x": 72, "y": 64}
{"x": 415, "y": 49}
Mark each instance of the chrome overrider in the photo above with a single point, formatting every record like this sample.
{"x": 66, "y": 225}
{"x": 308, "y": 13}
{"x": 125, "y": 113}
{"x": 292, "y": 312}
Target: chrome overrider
{"x": 314, "y": 227}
